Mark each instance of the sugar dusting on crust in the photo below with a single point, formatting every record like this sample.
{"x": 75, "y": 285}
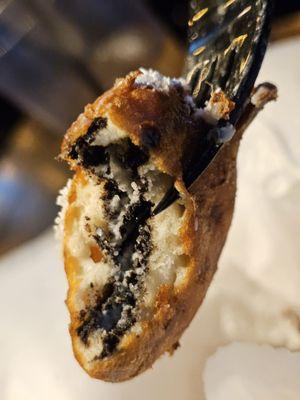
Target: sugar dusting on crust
{"x": 62, "y": 202}
{"x": 157, "y": 81}
{"x": 150, "y": 78}
{"x": 218, "y": 106}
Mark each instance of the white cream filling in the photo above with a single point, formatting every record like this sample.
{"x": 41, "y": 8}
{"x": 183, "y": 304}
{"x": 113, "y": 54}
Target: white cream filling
{"x": 111, "y": 134}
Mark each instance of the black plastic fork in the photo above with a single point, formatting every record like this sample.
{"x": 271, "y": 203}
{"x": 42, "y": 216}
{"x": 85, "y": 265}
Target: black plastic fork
{"x": 227, "y": 44}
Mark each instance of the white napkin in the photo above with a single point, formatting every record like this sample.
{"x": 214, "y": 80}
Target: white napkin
{"x": 254, "y": 296}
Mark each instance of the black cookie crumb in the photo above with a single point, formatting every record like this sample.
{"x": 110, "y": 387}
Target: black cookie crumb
{"x": 131, "y": 156}
{"x": 88, "y": 156}
{"x": 82, "y": 314}
{"x": 97, "y": 124}
{"x": 93, "y": 156}
{"x": 111, "y": 189}
{"x": 110, "y": 342}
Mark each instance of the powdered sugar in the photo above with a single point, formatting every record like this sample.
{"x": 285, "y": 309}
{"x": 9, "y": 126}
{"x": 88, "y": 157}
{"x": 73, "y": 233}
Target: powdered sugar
{"x": 62, "y": 201}
{"x": 157, "y": 81}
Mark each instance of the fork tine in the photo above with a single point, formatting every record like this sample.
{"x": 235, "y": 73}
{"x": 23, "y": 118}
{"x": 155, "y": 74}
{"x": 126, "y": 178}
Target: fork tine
{"x": 233, "y": 68}
{"x": 223, "y": 32}
{"x": 204, "y": 87}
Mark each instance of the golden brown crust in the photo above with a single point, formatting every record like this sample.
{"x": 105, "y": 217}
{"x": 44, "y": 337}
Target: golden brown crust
{"x": 209, "y": 208}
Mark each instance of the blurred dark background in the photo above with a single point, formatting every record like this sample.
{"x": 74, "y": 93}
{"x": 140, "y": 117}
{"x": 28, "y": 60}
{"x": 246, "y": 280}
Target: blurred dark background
{"x": 174, "y": 13}
{"x": 50, "y": 70}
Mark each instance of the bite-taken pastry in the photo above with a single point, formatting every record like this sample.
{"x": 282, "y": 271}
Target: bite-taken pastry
{"x": 134, "y": 288}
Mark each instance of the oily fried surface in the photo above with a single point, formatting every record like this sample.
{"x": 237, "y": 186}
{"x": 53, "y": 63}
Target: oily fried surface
{"x": 209, "y": 209}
